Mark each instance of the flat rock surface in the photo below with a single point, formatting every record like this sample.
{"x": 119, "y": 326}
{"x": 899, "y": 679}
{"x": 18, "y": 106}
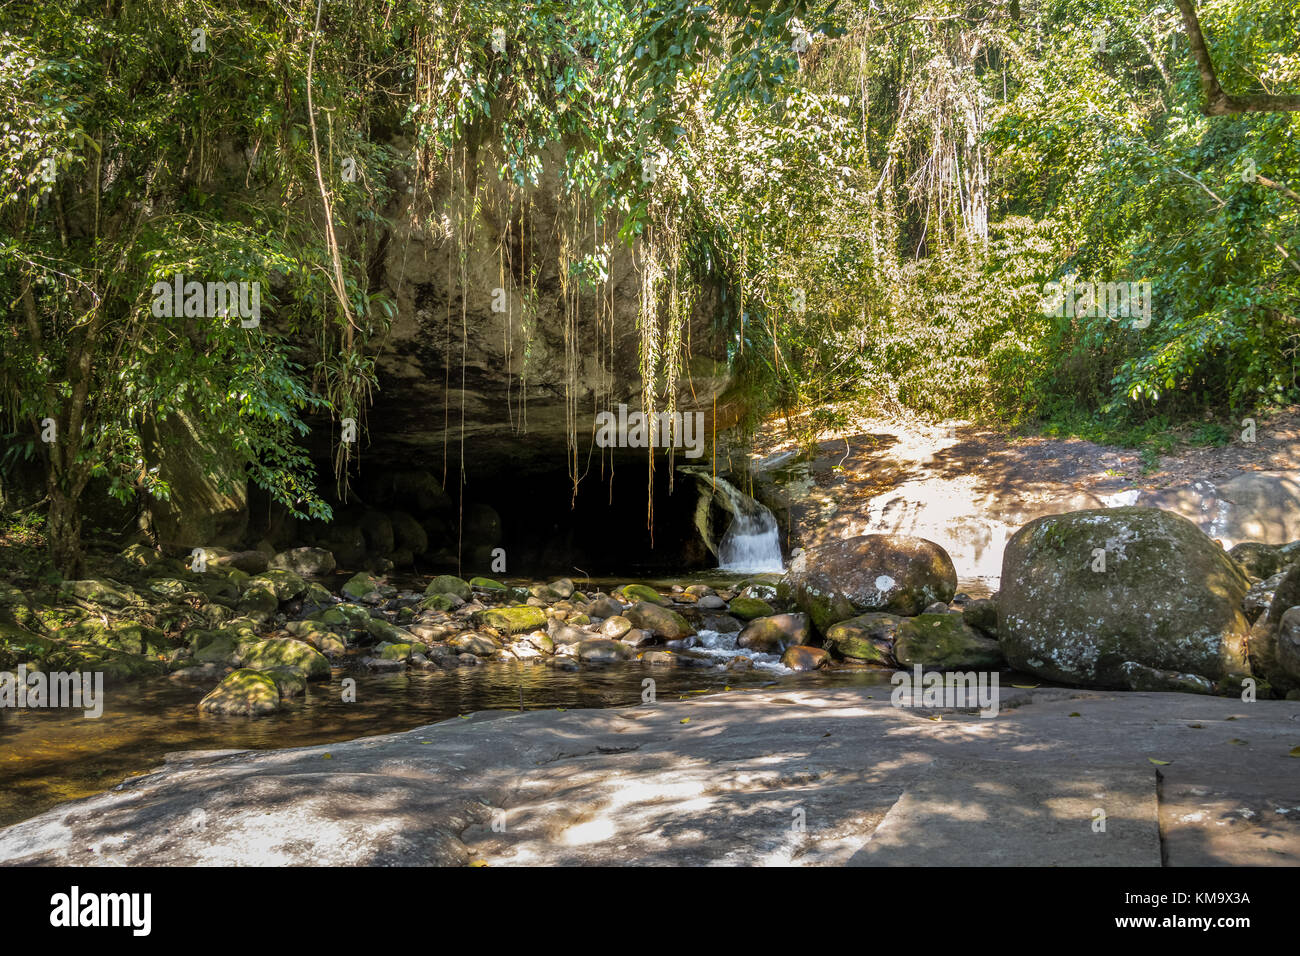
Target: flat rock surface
{"x": 801, "y": 775}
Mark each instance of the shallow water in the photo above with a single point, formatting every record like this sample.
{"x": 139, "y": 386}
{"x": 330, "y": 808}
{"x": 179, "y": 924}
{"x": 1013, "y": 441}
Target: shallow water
{"x": 49, "y": 756}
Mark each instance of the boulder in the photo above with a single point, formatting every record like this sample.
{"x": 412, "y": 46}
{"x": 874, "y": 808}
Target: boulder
{"x": 945, "y": 642}
{"x": 615, "y": 627}
{"x": 308, "y": 562}
{"x": 449, "y": 584}
{"x": 660, "y": 621}
{"x": 600, "y": 650}
{"x": 288, "y": 652}
{"x": 1085, "y": 592}
{"x": 510, "y": 620}
{"x": 1259, "y": 561}
{"x": 604, "y": 606}
{"x": 480, "y": 645}
{"x": 643, "y": 592}
{"x": 803, "y": 658}
{"x": 873, "y": 572}
{"x": 285, "y": 585}
{"x": 773, "y": 634}
{"x": 867, "y": 637}
{"x": 747, "y": 608}
{"x": 982, "y": 614}
{"x": 243, "y": 693}
{"x": 359, "y": 585}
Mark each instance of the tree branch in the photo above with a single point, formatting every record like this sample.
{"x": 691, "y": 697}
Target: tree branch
{"x": 1217, "y": 102}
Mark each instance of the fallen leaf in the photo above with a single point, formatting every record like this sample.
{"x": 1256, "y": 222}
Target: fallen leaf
{"x": 327, "y": 757}
{"x": 1295, "y": 751}
{"x": 478, "y": 862}
{"x": 1234, "y": 740}
{"x": 1024, "y": 686}
{"x": 1159, "y": 763}
{"x": 1197, "y": 726}
{"x": 684, "y": 720}
{"x": 1075, "y": 714}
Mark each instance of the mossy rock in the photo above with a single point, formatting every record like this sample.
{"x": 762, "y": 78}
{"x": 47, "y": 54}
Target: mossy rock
{"x": 290, "y": 681}
{"x": 449, "y": 584}
{"x": 394, "y": 652}
{"x": 352, "y": 616}
{"x": 173, "y": 588}
{"x": 945, "y": 642}
{"x": 359, "y": 585}
{"x": 643, "y": 592}
{"x": 748, "y": 608}
{"x": 243, "y": 693}
{"x": 103, "y": 591}
{"x": 258, "y": 601}
{"x": 868, "y": 637}
{"x": 317, "y": 594}
{"x": 285, "y": 585}
{"x": 510, "y": 620}
{"x": 437, "y": 602}
{"x": 218, "y": 646}
{"x": 660, "y": 621}
{"x": 898, "y": 574}
{"x": 383, "y": 631}
{"x": 776, "y": 632}
{"x": 1166, "y": 598}
{"x": 288, "y": 652}
{"x": 982, "y": 614}
{"x": 486, "y": 584}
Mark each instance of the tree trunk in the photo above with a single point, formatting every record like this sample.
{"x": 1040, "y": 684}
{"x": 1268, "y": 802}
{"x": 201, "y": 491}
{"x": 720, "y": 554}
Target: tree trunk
{"x": 63, "y": 531}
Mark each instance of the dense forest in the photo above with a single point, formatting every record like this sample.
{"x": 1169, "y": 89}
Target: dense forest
{"x": 875, "y": 200}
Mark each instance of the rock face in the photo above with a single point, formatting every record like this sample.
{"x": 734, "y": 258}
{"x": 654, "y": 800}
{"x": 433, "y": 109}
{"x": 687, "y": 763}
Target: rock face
{"x": 208, "y": 504}
{"x": 873, "y": 572}
{"x": 1086, "y": 592}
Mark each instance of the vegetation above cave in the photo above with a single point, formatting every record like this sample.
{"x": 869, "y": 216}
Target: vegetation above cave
{"x": 875, "y": 199}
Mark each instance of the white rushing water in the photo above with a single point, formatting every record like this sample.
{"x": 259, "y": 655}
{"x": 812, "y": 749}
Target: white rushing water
{"x": 751, "y": 543}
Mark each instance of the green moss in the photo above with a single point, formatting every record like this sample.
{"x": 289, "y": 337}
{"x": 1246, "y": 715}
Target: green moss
{"x": 748, "y": 608}
{"x": 511, "y": 620}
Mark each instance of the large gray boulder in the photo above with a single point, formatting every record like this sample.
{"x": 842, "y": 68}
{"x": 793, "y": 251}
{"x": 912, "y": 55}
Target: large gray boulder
{"x": 1087, "y": 592}
{"x": 872, "y": 572}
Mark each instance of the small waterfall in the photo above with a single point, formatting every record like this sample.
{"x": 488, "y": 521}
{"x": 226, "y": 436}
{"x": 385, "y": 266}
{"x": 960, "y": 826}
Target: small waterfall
{"x": 751, "y": 543}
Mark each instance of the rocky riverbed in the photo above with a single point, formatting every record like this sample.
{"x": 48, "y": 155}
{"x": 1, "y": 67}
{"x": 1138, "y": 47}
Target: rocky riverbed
{"x": 1123, "y": 599}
